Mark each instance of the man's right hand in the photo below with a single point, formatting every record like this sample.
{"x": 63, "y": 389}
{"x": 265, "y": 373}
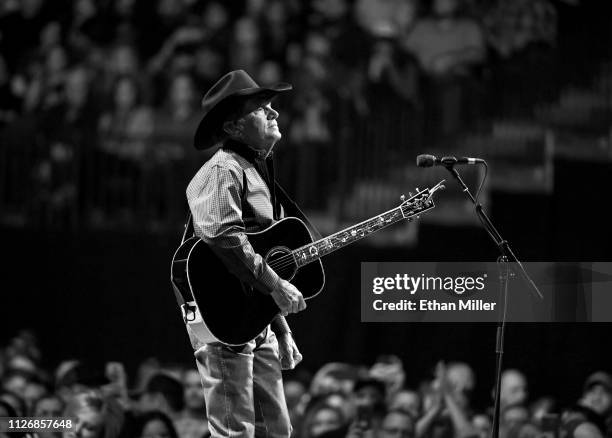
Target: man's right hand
{"x": 288, "y": 298}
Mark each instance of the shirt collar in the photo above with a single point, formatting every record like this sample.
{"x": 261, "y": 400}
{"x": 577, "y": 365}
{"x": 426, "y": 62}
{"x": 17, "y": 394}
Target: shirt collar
{"x": 247, "y": 151}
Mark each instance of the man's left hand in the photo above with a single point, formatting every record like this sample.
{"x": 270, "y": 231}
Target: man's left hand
{"x": 289, "y": 354}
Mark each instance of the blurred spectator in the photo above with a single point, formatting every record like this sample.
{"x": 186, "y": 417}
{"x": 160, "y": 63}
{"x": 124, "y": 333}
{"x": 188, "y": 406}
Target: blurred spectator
{"x": 397, "y": 424}
{"x": 123, "y": 60}
{"x": 513, "y": 390}
{"x": 74, "y": 377}
{"x": 173, "y": 157}
{"x": 126, "y": 128}
{"x": 321, "y": 418}
{"x": 167, "y": 16}
{"x": 88, "y": 28}
{"x": 406, "y": 400}
{"x": 10, "y": 103}
{"x": 369, "y": 391}
{"x": 48, "y": 406}
{"x": 461, "y": 380}
{"x": 482, "y": 424}
{"x": 311, "y": 162}
{"x": 163, "y": 393}
{"x": 446, "y": 403}
{"x": 215, "y": 21}
{"x": 245, "y": 47}
{"x": 175, "y": 122}
{"x": 540, "y": 408}
{"x": 125, "y": 18}
{"x": 15, "y": 401}
{"x": 390, "y": 370}
{"x": 177, "y": 55}
{"x": 515, "y": 422}
{"x": 51, "y": 35}
{"x": 447, "y": 42}
{"x": 297, "y": 398}
{"x": 7, "y": 410}
{"x": 16, "y": 381}
{"x": 43, "y": 79}
{"x": 332, "y": 377}
{"x": 385, "y": 18}
{"x": 156, "y": 424}
{"x": 116, "y": 388}
{"x": 275, "y": 30}
{"x": 588, "y": 417}
{"x": 94, "y": 416}
{"x": 192, "y": 423}
{"x": 35, "y": 389}
{"x": 349, "y": 48}
{"x": 392, "y": 72}
{"x": 512, "y": 25}
{"x": 209, "y": 65}
{"x": 67, "y": 129}
{"x": 447, "y": 46}
{"x": 523, "y": 37}
{"x": 145, "y": 371}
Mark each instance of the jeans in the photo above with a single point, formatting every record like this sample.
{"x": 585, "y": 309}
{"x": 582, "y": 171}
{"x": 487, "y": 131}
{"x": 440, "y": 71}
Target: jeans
{"x": 243, "y": 388}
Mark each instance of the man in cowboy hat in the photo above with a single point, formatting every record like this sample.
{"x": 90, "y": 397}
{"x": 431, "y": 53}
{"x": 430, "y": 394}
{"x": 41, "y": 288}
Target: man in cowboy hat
{"x": 233, "y": 193}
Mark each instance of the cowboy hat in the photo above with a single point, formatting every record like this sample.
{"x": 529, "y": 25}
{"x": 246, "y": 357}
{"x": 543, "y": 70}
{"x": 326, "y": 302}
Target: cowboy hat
{"x": 224, "y": 98}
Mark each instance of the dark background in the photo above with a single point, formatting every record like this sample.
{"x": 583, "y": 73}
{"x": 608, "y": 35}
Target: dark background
{"x": 100, "y": 291}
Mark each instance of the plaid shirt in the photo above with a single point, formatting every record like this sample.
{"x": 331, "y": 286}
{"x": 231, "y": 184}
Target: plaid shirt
{"x": 223, "y": 209}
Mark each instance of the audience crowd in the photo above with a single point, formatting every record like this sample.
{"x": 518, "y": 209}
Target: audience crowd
{"x": 338, "y": 400}
{"x": 100, "y": 98}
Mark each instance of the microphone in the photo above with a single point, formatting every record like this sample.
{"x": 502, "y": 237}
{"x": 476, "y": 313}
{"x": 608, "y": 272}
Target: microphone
{"x": 425, "y": 160}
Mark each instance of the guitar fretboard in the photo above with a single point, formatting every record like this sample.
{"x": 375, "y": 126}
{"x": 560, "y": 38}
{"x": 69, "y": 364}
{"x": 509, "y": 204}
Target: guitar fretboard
{"x": 314, "y": 251}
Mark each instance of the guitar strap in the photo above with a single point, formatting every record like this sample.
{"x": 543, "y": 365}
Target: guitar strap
{"x": 292, "y": 209}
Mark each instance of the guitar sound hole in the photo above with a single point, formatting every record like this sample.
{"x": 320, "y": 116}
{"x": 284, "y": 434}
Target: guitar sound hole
{"x": 281, "y": 260}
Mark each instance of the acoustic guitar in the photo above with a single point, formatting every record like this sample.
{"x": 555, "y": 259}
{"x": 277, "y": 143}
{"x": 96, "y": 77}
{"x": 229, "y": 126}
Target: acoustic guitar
{"x": 220, "y": 308}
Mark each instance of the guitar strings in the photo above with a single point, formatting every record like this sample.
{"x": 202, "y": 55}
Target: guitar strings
{"x": 288, "y": 259}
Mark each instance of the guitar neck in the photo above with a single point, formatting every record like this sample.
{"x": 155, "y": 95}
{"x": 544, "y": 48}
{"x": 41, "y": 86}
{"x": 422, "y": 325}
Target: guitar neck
{"x": 314, "y": 251}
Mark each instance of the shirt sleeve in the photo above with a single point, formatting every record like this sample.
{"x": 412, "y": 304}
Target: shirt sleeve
{"x": 280, "y": 326}
{"x": 217, "y": 218}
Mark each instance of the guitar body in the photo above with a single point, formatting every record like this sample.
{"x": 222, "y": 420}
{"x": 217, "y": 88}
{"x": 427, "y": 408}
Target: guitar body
{"x": 228, "y": 310}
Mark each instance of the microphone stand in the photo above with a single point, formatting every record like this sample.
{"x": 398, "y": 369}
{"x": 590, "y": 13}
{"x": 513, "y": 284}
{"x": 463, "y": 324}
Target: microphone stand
{"x": 504, "y": 274}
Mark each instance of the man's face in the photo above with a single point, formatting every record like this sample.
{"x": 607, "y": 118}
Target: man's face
{"x": 49, "y": 407}
{"x": 323, "y": 421}
{"x": 599, "y": 399}
{"x": 461, "y": 379}
{"x": 397, "y": 425}
{"x": 407, "y": 400}
{"x": 368, "y": 395}
{"x": 259, "y": 128}
{"x": 88, "y": 423}
{"x": 513, "y": 388}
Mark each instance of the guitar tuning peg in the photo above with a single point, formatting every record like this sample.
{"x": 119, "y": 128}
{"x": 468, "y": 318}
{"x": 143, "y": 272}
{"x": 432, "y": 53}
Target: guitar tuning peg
{"x": 403, "y": 198}
{"x": 410, "y": 194}
{"x": 418, "y": 190}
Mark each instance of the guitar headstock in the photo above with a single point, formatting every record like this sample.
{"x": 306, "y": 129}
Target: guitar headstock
{"x": 419, "y": 202}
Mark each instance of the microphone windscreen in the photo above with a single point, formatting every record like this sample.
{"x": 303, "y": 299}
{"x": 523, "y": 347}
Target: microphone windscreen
{"x": 425, "y": 160}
